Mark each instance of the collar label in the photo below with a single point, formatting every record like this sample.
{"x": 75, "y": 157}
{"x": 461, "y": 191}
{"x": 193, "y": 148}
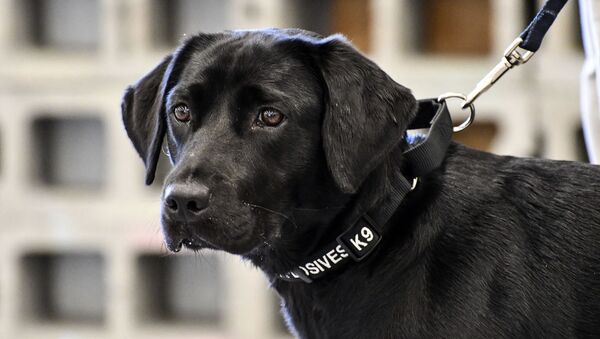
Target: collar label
{"x": 356, "y": 243}
{"x": 361, "y": 239}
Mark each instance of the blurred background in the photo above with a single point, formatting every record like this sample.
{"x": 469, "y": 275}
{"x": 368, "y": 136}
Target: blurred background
{"x": 81, "y": 252}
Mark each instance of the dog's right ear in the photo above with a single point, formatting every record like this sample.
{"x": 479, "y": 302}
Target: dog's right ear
{"x": 366, "y": 114}
{"x": 144, "y": 118}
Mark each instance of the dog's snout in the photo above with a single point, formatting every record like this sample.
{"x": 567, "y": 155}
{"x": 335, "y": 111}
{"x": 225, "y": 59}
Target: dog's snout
{"x": 185, "y": 201}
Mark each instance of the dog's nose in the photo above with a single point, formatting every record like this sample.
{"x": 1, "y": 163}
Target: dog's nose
{"x": 185, "y": 201}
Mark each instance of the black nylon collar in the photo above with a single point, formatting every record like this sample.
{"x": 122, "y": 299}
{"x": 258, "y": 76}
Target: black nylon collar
{"x": 361, "y": 238}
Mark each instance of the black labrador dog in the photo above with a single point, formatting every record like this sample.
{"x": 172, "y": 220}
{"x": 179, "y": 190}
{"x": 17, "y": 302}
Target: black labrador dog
{"x": 280, "y": 136}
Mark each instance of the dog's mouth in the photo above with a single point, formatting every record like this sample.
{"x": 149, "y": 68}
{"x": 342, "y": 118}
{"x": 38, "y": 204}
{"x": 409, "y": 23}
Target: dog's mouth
{"x": 197, "y": 245}
{"x": 216, "y": 237}
{"x": 177, "y": 242}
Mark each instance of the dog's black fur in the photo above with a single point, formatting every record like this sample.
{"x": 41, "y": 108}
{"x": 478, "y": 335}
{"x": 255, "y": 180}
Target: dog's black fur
{"x": 486, "y": 246}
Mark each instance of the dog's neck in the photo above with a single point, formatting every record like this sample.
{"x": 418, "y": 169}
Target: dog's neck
{"x": 312, "y": 229}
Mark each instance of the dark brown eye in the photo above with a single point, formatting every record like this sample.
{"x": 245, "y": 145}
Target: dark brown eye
{"x": 270, "y": 117}
{"x": 182, "y": 113}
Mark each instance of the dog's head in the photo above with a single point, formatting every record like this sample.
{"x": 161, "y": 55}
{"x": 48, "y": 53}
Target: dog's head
{"x": 257, "y": 123}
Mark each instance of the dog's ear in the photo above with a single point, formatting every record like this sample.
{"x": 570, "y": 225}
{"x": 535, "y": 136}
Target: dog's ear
{"x": 143, "y": 116}
{"x": 366, "y": 114}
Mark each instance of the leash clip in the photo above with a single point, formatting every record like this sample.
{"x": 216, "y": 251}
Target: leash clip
{"x": 512, "y": 57}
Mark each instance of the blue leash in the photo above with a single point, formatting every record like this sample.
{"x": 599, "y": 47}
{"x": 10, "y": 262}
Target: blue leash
{"x": 517, "y": 53}
{"x": 534, "y": 33}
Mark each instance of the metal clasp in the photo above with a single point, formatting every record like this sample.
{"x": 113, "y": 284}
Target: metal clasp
{"x": 512, "y": 57}
{"x": 471, "y": 117}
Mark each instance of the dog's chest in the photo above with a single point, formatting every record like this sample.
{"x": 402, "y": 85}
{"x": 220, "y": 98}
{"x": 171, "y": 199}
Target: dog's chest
{"x": 352, "y": 309}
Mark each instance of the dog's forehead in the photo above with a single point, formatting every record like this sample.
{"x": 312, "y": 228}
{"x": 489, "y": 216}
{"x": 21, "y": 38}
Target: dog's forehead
{"x": 251, "y": 58}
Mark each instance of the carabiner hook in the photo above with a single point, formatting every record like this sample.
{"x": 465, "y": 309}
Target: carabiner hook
{"x": 512, "y": 57}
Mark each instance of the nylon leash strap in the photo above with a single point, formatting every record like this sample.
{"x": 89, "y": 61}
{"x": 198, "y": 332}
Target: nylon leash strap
{"x": 517, "y": 53}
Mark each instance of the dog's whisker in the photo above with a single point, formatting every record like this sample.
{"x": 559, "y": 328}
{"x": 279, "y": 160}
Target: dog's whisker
{"x": 272, "y": 211}
{"x": 318, "y": 209}
{"x": 227, "y": 178}
{"x": 262, "y": 236}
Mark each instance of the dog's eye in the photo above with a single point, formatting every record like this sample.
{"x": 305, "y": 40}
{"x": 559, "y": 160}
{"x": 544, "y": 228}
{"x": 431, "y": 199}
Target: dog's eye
{"x": 182, "y": 113}
{"x": 270, "y": 117}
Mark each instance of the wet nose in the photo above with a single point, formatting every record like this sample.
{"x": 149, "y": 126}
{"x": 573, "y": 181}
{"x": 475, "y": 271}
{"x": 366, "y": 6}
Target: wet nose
{"x": 184, "y": 202}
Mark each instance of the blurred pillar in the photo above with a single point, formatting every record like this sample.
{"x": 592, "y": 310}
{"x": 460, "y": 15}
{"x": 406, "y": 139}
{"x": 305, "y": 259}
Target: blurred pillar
{"x": 242, "y": 318}
{"x": 557, "y": 60}
{"x": 559, "y": 39}
{"x": 5, "y": 21}
{"x": 590, "y": 21}
{"x": 510, "y": 14}
{"x": 139, "y": 17}
{"x": 386, "y": 36}
{"x": 251, "y": 14}
{"x": 109, "y": 24}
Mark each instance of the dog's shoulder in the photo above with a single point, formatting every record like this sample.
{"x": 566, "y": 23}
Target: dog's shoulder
{"x": 548, "y": 202}
{"x": 495, "y": 172}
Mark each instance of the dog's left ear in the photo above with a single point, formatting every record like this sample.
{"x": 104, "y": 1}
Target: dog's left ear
{"x": 143, "y": 116}
{"x": 366, "y": 114}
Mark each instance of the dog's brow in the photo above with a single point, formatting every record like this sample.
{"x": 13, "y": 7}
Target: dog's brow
{"x": 176, "y": 94}
{"x": 264, "y": 93}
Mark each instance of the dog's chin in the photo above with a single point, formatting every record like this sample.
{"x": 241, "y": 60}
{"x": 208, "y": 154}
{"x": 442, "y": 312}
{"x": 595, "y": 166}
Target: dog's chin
{"x": 197, "y": 237}
{"x": 238, "y": 247}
